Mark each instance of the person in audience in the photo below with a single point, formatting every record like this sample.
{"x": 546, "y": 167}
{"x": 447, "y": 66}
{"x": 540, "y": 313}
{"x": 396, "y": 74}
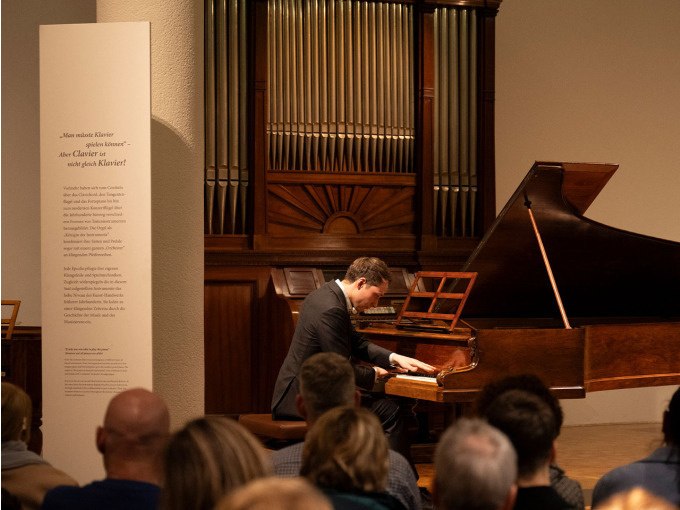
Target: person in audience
{"x": 206, "y": 460}
{"x": 531, "y": 427}
{"x": 635, "y": 499}
{"x": 326, "y": 381}
{"x": 659, "y": 473}
{"x": 346, "y": 456}
{"x": 273, "y": 493}
{"x": 26, "y": 476}
{"x": 131, "y": 440}
{"x": 475, "y": 468}
{"x": 569, "y": 489}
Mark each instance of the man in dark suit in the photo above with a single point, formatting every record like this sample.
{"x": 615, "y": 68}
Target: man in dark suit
{"x": 324, "y": 325}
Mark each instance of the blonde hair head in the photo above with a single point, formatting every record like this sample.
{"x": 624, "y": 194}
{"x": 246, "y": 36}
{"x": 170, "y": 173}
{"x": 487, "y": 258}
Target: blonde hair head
{"x": 207, "y": 459}
{"x": 274, "y": 493}
{"x": 346, "y": 450}
{"x": 16, "y": 413}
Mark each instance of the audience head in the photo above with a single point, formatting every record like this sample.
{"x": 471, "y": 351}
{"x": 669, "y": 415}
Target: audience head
{"x": 635, "y": 499}
{"x": 527, "y": 382}
{"x": 274, "y": 493}
{"x": 374, "y": 270}
{"x": 475, "y": 468}
{"x": 671, "y": 421}
{"x": 206, "y": 460}
{"x": 346, "y": 450}
{"x": 135, "y": 430}
{"x": 529, "y": 424}
{"x": 326, "y": 381}
{"x": 16, "y": 413}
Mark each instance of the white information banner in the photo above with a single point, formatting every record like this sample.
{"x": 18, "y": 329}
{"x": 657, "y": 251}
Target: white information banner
{"x": 95, "y": 167}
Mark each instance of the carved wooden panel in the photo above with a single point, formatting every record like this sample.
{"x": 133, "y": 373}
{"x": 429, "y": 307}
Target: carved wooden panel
{"x": 297, "y": 208}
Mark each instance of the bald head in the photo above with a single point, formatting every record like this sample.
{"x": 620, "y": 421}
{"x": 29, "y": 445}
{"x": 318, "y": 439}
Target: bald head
{"x": 136, "y": 427}
{"x": 137, "y": 413}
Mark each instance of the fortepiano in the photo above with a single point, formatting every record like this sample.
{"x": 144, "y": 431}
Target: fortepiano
{"x": 620, "y": 291}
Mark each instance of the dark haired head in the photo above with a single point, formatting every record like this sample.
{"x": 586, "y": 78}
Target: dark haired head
{"x": 326, "y": 381}
{"x": 527, "y": 382}
{"x": 373, "y": 269}
{"x": 671, "y": 421}
{"x": 530, "y": 425}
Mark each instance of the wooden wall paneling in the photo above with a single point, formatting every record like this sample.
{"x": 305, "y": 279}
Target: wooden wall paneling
{"x": 247, "y": 334}
{"x": 228, "y": 346}
{"x": 22, "y": 363}
{"x": 278, "y": 331}
{"x": 486, "y": 149}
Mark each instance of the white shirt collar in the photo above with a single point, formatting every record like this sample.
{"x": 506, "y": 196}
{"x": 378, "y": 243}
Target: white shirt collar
{"x": 350, "y": 308}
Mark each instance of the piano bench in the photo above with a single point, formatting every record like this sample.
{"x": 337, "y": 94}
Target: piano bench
{"x": 274, "y": 433}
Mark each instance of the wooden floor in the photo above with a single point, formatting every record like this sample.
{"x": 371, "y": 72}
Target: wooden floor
{"x": 587, "y": 452}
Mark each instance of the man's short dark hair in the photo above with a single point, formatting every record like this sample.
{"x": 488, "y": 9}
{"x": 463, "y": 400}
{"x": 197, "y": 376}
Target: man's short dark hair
{"x": 530, "y": 425}
{"x": 326, "y": 381}
{"x": 671, "y": 421}
{"x": 528, "y": 382}
{"x": 372, "y": 268}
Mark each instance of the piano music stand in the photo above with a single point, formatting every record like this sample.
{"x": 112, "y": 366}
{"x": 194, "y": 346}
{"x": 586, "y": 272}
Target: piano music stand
{"x": 436, "y": 300}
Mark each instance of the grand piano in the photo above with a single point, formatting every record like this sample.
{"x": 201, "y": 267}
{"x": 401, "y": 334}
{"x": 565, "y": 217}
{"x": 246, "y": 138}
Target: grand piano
{"x": 619, "y": 321}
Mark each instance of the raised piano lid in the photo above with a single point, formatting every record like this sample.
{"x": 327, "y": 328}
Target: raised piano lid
{"x": 601, "y": 272}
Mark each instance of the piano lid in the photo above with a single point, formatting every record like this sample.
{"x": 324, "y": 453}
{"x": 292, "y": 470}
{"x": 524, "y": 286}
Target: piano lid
{"x": 600, "y": 271}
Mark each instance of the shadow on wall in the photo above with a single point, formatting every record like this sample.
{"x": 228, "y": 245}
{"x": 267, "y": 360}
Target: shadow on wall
{"x": 177, "y": 265}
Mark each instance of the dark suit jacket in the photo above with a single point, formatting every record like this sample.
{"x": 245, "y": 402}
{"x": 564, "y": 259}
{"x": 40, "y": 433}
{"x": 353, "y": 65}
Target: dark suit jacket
{"x": 324, "y": 326}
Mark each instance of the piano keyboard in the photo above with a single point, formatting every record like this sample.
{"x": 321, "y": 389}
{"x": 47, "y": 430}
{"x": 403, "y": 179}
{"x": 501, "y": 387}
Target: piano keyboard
{"x": 422, "y": 378}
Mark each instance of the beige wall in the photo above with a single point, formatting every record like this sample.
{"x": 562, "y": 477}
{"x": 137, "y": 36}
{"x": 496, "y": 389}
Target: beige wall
{"x": 177, "y": 169}
{"x": 577, "y": 80}
{"x": 21, "y": 143}
{"x": 596, "y": 81}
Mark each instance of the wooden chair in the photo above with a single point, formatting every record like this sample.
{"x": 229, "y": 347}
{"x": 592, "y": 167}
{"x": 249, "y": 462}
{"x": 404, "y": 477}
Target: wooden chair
{"x": 274, "y": 433}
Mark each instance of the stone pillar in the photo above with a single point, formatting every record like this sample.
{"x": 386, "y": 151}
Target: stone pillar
{"x": 177, "y": 148}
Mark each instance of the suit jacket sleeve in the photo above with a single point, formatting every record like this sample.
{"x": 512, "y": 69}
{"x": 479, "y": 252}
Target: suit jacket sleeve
{"x": 334, "y": 330}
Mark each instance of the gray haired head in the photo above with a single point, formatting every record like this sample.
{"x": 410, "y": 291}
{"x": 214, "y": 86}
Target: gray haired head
{"x": 475, "y": 467}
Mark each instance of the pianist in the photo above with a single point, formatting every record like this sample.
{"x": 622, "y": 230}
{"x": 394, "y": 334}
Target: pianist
{"x": 324, "y": 325}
